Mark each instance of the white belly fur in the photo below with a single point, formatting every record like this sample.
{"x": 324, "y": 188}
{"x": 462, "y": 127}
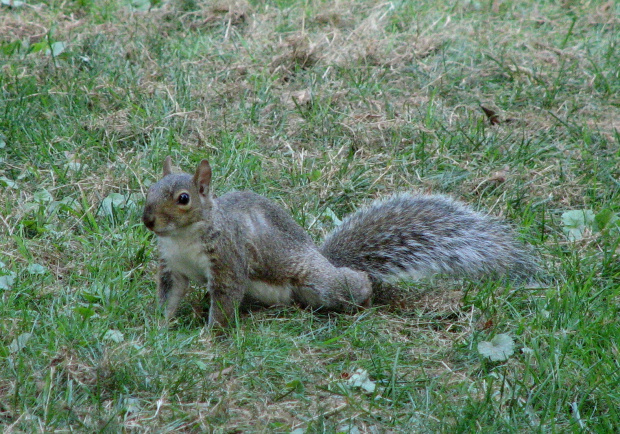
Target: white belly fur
{"x": 184, "y": 254}
{"x": 271, "y": 294}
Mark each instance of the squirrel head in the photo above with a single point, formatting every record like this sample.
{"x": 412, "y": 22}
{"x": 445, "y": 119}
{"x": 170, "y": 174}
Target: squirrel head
{"x": 178, "y": 200}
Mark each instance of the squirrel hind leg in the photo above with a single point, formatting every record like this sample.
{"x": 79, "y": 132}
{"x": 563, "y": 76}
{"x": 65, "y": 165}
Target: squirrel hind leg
{"x": 354, "y": 288}
{"x": 332, "y": 288}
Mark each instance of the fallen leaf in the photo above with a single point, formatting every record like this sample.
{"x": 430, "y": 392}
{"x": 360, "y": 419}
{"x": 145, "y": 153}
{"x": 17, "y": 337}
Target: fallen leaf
{"x": 577, "y": 223}
{"x": 491, "y": 114}
{"x": 19, "y": 342}
{"x": 36, "y": 269}
{"x": 12, "y": 3}
{"x": 499, "y": 349}
{"x": 360, "y": 379}
{"x": 114, "y": 336}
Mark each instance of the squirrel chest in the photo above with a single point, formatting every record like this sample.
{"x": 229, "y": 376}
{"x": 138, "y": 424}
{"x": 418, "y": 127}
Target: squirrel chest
{"x": 184, "y": 253}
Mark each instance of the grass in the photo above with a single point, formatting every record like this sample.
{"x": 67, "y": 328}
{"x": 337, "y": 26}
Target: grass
{"x": 320, "y": 106}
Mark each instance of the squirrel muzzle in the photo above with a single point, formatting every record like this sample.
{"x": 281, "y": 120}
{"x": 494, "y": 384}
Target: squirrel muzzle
{"x": 148, "y": 218}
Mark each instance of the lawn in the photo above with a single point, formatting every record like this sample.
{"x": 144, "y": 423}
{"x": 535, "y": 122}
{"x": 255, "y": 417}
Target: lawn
{"x": 322, "y": 106}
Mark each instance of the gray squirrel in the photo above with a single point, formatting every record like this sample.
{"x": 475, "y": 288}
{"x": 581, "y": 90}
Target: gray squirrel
{"x": 246, "y": 248}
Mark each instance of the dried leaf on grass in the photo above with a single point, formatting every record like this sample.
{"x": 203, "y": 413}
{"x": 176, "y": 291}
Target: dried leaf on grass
{"x": 491, "y": 114}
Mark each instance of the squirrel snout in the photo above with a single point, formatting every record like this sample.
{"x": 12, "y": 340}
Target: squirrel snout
{"x": 148, "y": 219}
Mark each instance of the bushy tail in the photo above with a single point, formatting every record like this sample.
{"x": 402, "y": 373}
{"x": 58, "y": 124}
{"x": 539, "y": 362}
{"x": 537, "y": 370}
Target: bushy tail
{"x": 420, "y": 236}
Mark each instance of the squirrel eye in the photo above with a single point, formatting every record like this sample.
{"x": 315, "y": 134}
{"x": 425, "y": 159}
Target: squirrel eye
{"x": 183, "y": 199}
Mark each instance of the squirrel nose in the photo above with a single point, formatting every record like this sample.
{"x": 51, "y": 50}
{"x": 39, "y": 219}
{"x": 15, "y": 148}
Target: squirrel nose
{"x": 150, "y": 223}
{"x": 148, "y": 219}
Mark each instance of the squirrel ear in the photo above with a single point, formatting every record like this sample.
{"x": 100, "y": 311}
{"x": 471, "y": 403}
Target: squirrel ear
{"x": 202, "y": 178}
{"x": 167, "y": 166}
